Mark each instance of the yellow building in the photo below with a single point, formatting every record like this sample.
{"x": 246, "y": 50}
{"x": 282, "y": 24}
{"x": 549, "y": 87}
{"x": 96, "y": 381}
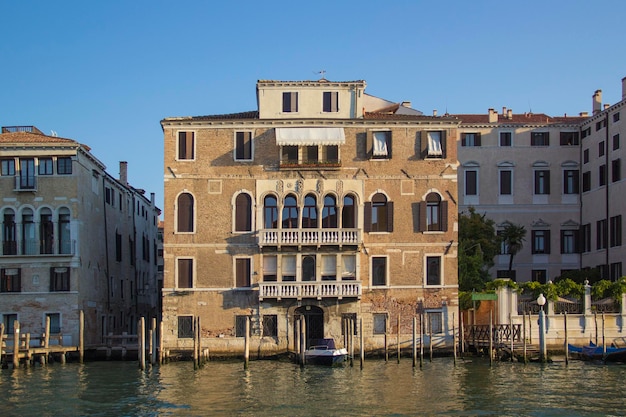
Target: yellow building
{"x": 326, "y": 204}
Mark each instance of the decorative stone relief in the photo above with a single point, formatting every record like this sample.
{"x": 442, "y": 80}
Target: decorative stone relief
{"x": 299, "y": 186}
{"x": 339, "y": 187}
{"x": 280, "y": 186}
{"x": 320, "y": 187}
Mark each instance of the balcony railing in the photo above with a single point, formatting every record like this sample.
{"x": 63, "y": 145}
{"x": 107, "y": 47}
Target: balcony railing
{"x": 317, "y": 290}
{"x": 318, "y": 237}
{"x": 38, "y": 247}
{"x": 310, "y": 164}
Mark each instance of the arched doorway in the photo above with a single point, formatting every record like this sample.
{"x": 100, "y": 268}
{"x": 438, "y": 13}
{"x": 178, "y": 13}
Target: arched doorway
{"x": 314, "y": 319}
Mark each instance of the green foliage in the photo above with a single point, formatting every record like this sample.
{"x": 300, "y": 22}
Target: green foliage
{"x": 581, "y": 275}
{"x": 496, "y": 284}
{"x": 567, "y": 287}
{"x": 465, "y": 300}
{"x": 605, "y": 289}
{"x": 478, "y": 245}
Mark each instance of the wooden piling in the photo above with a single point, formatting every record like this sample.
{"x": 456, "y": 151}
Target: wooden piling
{"x": 530, "y": 330}
{"x": 430, "y": 342}
{"x": 1, "y": 340}
{"x": 150, "y": 343}
{"x": 398, "y": 340}
{"x": 161, "y": 342}
{"x": 81, "y": 336}
{"x": 16, "y": 344}
{"x": 199, "y": 335}
{"x": 566, "y": 342}
{"x": 46, "y": 335}
{"x": 414, "y": 341}
{"x": 603, "y": 337}
{"x": 153, "y": 341}
{"x": 141, "y": 343}
{"x": 352, "y": 342}
{"x": 302, "y": 341}
{"x": 491, "y": 337}
{"x": 462, "y": 334}
{"x": 195, "y": 343}
{"x": 453, "y": 339}
{"x": 421, "y": 339}
{"x": 246, "y": 345}
{"x": 296, "y": 339}
{"x": 362, "y": 347}
{"x": 524, "y": 336}
{"x": 386, "y": 338}
{"x": 511, "y": 335}
{"x": 595, "y": 320}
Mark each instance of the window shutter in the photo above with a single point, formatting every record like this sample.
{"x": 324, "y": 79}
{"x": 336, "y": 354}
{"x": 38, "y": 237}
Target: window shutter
{"x": 423, "y": 144}
{"x": 181, "y": 145}
{"x": 369, "y": 145}
{"x": 367, "y": 217}
{"x": 477, "y": 139}
{"x": 443, "y": 143}
{"x": 547, "y": 182}
{"x": 463, "y": 140}
{"x": 422, "y": 217}
{"x": 390, "y": 216}
{"x": 547, "y": 242}
{"x": 444, "y": 215}
{"x": 389, "y": 145}
{"x": 52, "y": 279}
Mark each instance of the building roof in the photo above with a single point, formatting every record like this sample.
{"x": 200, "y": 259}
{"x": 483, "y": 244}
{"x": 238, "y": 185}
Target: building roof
{"x": 520, "y": 118}
{"x": 33, "y": 138}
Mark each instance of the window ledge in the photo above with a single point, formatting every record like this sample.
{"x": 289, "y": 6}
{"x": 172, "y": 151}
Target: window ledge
{"x": 434, "y": 232}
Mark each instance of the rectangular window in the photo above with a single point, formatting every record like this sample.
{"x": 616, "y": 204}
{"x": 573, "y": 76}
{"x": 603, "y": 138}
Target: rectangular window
{"x": 586, "y": 132}
{"x": 8, "y": 167}
{"x": 541, "y": 241}
{"x": 55, "y": 322}
{"x": 616, "y": 271}
{"x": 289, "y": 154}
{"x": 615, "y": 142}
{"x": 585, "y": 238}
{"x": 288, "y": 267}
{"x": 601, "y": 234}
{"x": 542, "y": 182}
{"x": 186, "y": 145}
{"x": 616, "y": 170}
{"x": 381, "y": 145}
{"x": 506, "y": 184}
{"x": 379, "y": 270}
{"x": 269, "y": 268}
{"x": 243, "y": 146}
{"x": 185, "y": 327}
{"x": 330, "y": 154}
{"x": 615, "y": 117}
{"x": 10, "y": 280}
{"x": 270, "y": 325}
{"x": 45, "y": 166}
{"x": 9, "y": 323}
{"x": 586, "y": 181}
{"x": 118, "y": 247}
{"x": 242, "y": 271}
{"x": 539, "y": 275}
{"x": 470, "y": 139}
{"x": 504, "y": 273}
{"x": 290, "y": 102}
{"x": 331, "y": 101}
{"x": 59, "y": 279}
{"x": 329, "y": 267}
{"x": 27, "y": 173}
{"x": 64, "y": 165}
{"x": 240, "y": 325}
{"x": 506, "y": 139}
{"x": 540, "y": 139}
{"x": 380, "y": 323}
{"x": 602, "y": 175}
{"x": 311, "y": 154}
{"x": 616, "y": 231}
{"x": 504, "y": 248}
{"x": 471, "y": 182}
{"x": 586, "y": 156}
{"x": 184, "y": 273}
{"x": 569, "y": 241}
{"x": 601, "y": 148}
{"x": 570, "y": 181}
{"x": 569, "y": 139}
{"x": 434, "y": 322}
{"x": 348, "y": 267}
{"x": 433, "y": 270}
{"x": 435, "y": 144}
{"x": 600, "y": 124}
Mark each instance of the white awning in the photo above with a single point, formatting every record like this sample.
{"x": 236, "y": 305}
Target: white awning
{"x": 310, "y": 136}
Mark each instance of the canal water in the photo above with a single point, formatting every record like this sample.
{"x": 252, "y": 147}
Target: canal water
{"x": 276, "y": 388}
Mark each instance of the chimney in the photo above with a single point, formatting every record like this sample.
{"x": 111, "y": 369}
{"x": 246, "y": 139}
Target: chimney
{"x": 435, "y": 112}
{"x": 624, "y": 88}
{"x": 509, "y": 114}
{"x": 606, "y": 106}
{"x": 124, "y": 172}
{"x": 493, "y": 116}
{"x": 583, "y": 114}
{"x": 152, "y": 198}
{"x": 406, "y": 104}
{"x": 597, "y": 101}
{"x": 503, "y": 110}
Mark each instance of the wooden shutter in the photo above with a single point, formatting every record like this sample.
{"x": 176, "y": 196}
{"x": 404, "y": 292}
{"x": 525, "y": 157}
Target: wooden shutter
{"x": 423, "y": 226}
{"x": 243, "y": 213}
{"x": 369, "y": 145}
{"x": 185, "y": 273}
{"x": 547, "y": 182}
{"x": 242, "y": 267}
{"x": 423, "y": 144}
{"x": 367, "y": 217}
{"x": 390, "y": 216}
{"x": 476, "y": 139}
{"x": 185, "y": 213}
{"x": 388, "y": 139}
{"x": 463, "y": 140}
{"x": 443, "y": 220}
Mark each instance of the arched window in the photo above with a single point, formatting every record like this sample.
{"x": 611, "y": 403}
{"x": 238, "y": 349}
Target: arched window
{"x": 46, "y": 231}
{"x": 379, "y": 214}
{"x": 348, "y": 213}
{"x": 64, "y": 231}
{"x": 9, "y": 241}
{"x": 329, "y": 213}
{"x": 243, "y": 213}
{"x": 29, "y": 236}
{"x": 308, "y": 268}
{"x": 433, "y": 213}
{"x": 290, "y": 213}
{"x": 185, "y": 215}
{"x": 270, "y": 212}
{"x": 309, "y": 213}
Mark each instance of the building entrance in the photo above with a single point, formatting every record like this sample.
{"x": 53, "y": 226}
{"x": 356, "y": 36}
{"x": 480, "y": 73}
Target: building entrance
{"x": 314, "y": 319}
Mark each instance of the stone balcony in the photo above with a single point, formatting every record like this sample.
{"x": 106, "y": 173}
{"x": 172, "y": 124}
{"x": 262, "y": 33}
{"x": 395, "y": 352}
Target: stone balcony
{"x": 310, "y": 289}
{"x": 314, "y": 237}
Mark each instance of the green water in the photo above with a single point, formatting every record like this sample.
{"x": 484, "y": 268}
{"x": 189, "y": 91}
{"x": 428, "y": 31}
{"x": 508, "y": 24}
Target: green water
{"x": 267, "y": 388}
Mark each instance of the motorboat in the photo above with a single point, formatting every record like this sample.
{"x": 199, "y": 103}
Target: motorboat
{"x": 324, "y": 352}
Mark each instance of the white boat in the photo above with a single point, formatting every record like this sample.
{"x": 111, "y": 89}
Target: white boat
{"x": 324, "y": 352}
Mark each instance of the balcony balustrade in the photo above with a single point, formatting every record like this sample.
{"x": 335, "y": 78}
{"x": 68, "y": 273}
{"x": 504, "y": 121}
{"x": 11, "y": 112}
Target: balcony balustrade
{"x": 32, "y": 247}
{"x": 318, "y": 237}
{"x": 310, "y": 289}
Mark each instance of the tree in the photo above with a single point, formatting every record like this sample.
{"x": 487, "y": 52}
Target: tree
{"x": 513, "y": 236}
{"x": 478, "y": 245}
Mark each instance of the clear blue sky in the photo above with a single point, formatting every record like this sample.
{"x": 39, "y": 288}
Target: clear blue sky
{"x": 105, "y": 73}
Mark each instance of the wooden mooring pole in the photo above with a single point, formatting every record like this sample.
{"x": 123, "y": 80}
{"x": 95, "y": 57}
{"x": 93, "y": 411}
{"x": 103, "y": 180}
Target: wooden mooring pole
{"x": 141, "y": 343}
{"x": 362, "y": 342}
{"x": 302, "y": 341}
{"x": 414, "y": 341}
{"x": 421, "y": 339}
{"x": 566, "y": 342}
{"x": 153, "y": 342}
{"x": 1, "y": 340}
{"x": 453, "y": 339}
{"x": 81, "y": 336}
{"x": 161, "y": 326}
{"x": 511, "y": 335}
{"x": 524, "y": 336}
{"x": 462, "y": 334}
{"x": 386, "y": 338}
{"x": 491, "y": 337}
{"x": 16, "y": 344}
{"x": 246, "y": 349}
{"x": 603, "y": 337}
{"x": 398, "y": 339}
{"x": 352, "y": 326}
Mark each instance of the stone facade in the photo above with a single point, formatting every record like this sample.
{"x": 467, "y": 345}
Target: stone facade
{"x": 73, "y": 238}
{"x": 326, "y": 204}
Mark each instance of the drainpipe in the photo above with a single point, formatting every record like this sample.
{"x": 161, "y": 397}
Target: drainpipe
{"x": 106, "y": 244}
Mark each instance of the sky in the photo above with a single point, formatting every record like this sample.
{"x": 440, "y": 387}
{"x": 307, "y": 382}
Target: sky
{"x": 106, "y": 73}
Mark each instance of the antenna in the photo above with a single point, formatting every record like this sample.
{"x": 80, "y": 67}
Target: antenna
{"x": 53, "y": 133}
{"x": 322, "y": 72}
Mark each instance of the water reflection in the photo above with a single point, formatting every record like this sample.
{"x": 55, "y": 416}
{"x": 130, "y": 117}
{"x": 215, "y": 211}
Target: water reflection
{"x": 270, "y": 388}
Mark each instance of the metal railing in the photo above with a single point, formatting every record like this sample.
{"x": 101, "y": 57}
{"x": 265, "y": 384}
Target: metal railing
{"x": 269, "y": 237}
{"x": 310, "y": 289}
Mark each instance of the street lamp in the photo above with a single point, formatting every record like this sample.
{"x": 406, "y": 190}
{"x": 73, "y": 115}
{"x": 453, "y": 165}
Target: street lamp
{"x": 541, "y": 300}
